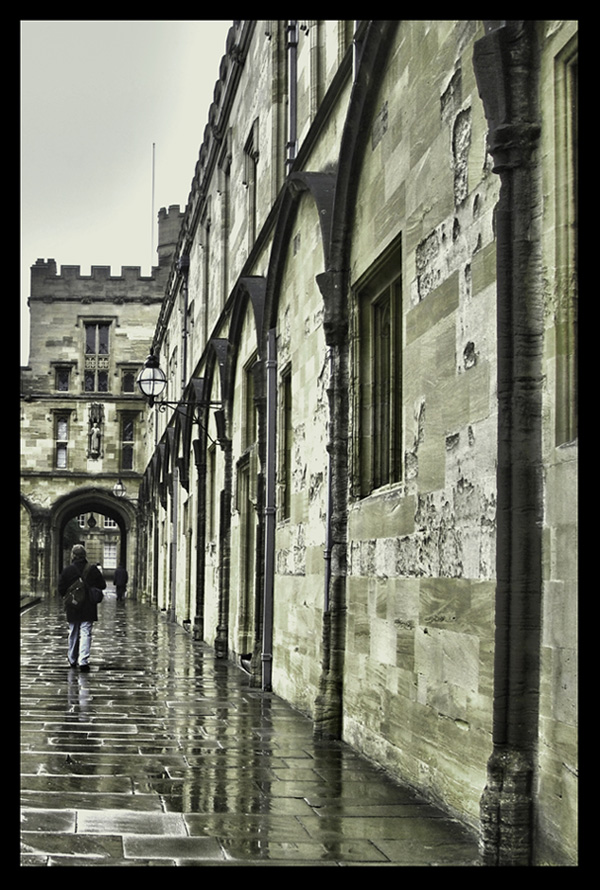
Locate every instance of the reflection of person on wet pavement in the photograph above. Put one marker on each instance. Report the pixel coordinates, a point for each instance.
(79, 695)
(120, 581)
(80, 618)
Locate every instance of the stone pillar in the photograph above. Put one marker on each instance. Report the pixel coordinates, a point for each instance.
(199, 446)
(329, 704)
(221, 639)
(505, 69)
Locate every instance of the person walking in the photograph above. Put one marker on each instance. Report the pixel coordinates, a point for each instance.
(120, 581)
(81, 618)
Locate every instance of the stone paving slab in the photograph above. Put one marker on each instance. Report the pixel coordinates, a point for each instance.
(163, 755)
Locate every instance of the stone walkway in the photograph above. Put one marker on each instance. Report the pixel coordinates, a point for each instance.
(163, 755)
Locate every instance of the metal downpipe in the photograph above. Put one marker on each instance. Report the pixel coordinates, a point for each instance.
(270, 512)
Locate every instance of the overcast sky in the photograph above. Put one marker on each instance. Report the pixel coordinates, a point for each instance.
(95, 97)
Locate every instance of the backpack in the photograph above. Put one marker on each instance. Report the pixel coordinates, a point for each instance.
(75, 595)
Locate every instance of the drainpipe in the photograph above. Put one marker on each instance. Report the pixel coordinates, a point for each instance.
(504, 71)
(184, 267)
(267, 642)
(199, 446)
(155, 555)
(222, 637)
(328, 532)
(174, 515)
(292, 49)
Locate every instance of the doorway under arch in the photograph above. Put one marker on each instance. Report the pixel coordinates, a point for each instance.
(95, 502)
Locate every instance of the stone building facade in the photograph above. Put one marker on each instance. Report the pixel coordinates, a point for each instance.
(82, 416)
(361, 482)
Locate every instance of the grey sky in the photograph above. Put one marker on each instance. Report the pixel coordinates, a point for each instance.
(95, 96)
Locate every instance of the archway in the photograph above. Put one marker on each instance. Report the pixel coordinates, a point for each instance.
(94, 502)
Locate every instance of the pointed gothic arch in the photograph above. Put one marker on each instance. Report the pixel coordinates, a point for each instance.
(321, 187)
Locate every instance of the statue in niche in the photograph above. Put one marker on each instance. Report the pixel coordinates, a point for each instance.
(95, 441)
(96, 417)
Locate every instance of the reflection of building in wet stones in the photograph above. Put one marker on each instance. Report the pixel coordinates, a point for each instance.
(367, 311)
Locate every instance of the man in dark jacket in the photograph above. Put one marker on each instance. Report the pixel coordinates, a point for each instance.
(120, 580)
(81, 618)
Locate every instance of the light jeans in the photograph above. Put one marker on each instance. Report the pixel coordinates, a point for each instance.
(80, 641)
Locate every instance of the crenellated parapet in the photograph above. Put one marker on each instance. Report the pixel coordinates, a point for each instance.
(49, 284)
(169, 228)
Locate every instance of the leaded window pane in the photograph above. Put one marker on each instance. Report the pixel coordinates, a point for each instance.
(90, 339)
(127, 457)
(103, 339)
(61, 457)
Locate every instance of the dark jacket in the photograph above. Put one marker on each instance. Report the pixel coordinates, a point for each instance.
(88, 611)
(121, 577)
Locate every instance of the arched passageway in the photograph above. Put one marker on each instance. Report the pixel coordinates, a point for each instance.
(119, 512)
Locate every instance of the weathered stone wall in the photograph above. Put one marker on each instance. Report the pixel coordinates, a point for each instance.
(60, 305)
(62, 301)
(395, 651)
(246, 502)
(557, 803)
(219, 250)
(300, 538)
(419, 672)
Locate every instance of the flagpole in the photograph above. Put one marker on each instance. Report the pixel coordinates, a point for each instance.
(152, 226)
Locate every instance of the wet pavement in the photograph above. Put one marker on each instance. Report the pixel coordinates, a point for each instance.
(164, 755)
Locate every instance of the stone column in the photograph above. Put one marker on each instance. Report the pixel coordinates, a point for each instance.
(329, 704)
(505, 71)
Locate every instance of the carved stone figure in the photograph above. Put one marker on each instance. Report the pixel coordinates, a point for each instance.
(95, 441)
